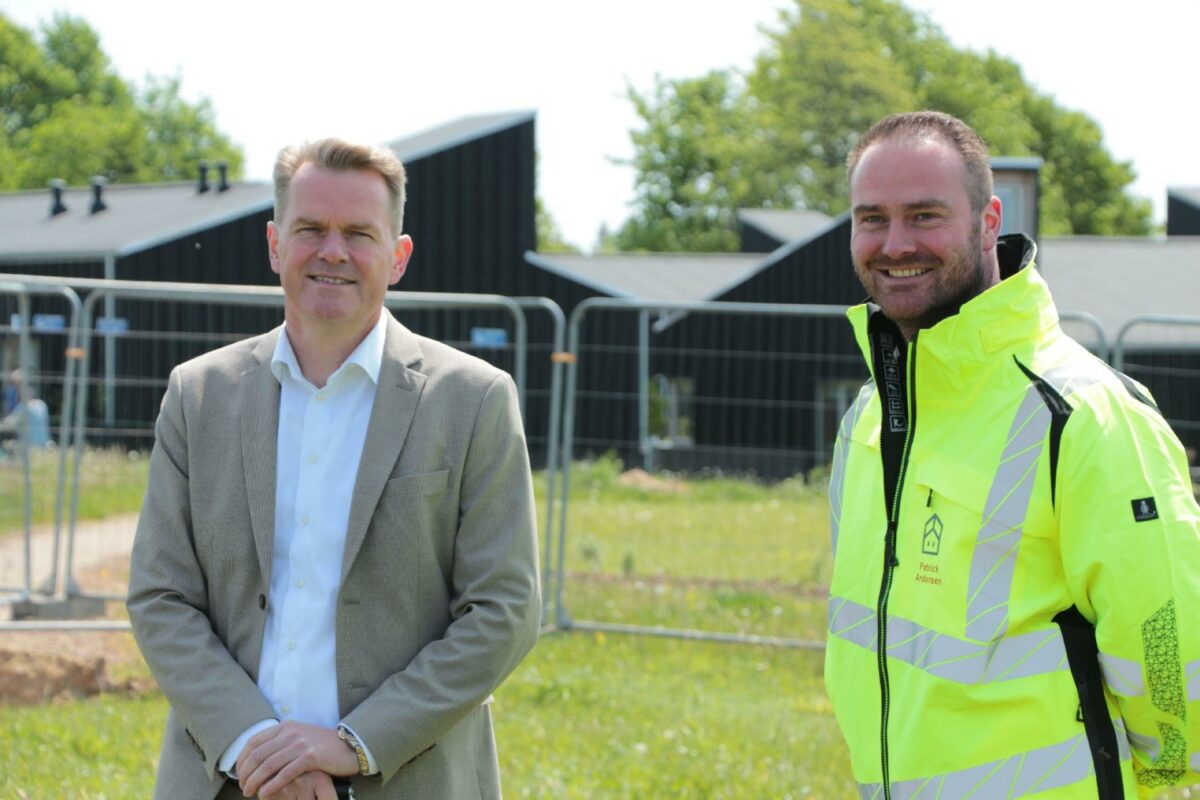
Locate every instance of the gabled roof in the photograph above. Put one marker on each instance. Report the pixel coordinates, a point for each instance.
(1118, 278)
(1187, 194)
(138, 216)
(784, 225)
(651, 276)
(141, 216)
(452, 134)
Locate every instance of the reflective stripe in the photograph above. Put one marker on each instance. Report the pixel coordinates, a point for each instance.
(1124, 677)
(1039, 770)
(1196, 761)
(995, 556)
(958, 660)
(853, 622)
(1144, 743)
(1193, 681)
(837, 473)
(1075, 375)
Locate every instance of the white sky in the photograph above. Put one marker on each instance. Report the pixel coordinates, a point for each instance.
(376, 71)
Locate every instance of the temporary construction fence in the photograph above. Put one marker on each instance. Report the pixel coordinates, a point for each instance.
(666, 392)
(135, 359)
(1162, 352)
(641, 386)
(24, 411)
(708, 389)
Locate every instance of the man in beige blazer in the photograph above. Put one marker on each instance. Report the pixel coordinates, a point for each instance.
(436, 598)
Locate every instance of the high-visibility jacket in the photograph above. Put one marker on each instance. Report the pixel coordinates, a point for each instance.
(1015, 602)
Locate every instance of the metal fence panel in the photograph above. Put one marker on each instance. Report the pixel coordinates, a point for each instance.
(132, 334)
(37, 363)
(1163, 354)
(698, 388)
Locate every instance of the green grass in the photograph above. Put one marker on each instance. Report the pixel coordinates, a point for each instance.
(101, 749)
(603, 716)
(112, 482)
(591, 715)
(720, 555)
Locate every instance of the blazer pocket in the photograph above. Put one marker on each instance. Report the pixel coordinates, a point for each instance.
(419, 484)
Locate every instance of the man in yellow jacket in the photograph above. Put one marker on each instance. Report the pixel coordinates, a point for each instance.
(1015, 603)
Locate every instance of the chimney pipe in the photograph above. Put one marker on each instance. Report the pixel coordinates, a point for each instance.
(98, 204)
(202, 187)
(223, 173)
(57, 206)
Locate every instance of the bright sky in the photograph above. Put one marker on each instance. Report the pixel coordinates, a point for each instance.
(377, 71)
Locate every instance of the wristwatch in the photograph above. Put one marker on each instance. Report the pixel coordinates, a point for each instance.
(347, 736)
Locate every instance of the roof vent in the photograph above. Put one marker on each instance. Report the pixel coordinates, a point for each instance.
(98, 205)
(202, 185)
(223, 176)
(57, 206)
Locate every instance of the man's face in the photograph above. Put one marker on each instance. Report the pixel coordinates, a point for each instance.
(917, 246)
(335, 252)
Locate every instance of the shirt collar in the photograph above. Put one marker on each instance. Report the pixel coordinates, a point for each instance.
(368, 356)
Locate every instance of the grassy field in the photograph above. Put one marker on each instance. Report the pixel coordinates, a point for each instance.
(112, 482)
(592, 715)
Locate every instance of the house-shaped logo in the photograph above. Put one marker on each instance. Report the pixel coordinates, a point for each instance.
(931, 542)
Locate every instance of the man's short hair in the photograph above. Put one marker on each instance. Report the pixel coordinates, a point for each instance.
(930, 124)
(340, 155)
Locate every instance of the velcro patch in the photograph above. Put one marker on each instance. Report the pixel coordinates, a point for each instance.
(1144, 509)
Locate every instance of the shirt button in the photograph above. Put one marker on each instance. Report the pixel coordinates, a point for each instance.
(285, 710)
(320, 397)
(291, 645)
(312, 458)
(300, 583)
(304, 519)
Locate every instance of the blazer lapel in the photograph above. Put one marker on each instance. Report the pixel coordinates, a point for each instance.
(396, 399)
(258, 403)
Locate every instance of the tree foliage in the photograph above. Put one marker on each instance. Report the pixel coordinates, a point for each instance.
(66, 113)
(778, 136)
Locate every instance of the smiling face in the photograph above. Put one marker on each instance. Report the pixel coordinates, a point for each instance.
(335, 254)
(918, 247)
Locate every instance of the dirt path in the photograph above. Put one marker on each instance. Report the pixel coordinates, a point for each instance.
(40, 666)
(97, 543)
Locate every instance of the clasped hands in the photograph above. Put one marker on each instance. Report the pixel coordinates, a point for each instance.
(294, 761)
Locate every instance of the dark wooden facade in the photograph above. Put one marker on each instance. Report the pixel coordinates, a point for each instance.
(470, 212)
(1183, 213)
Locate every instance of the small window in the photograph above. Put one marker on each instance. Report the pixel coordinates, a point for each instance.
(672, 402)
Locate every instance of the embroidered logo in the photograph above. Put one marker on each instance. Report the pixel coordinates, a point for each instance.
(1144, 509)
(931, 542)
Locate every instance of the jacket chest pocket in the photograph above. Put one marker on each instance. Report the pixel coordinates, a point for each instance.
(938, 544)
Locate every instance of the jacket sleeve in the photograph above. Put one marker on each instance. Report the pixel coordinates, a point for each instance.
(495, 607)
(168, 602)
(1130, 533)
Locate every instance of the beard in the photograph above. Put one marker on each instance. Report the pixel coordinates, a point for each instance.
(962, 274)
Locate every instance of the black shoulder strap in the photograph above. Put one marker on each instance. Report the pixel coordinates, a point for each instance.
(1083, 655)
(1060, 410)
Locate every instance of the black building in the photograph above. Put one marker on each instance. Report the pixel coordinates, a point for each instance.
(1183, 211)
(470, 212)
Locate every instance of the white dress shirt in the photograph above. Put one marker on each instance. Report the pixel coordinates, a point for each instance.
(319, 446)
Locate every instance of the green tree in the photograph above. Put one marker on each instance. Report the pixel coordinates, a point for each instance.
(779, 136)
(689, 163)
(66, 113)
(550, 237)
(180, 134)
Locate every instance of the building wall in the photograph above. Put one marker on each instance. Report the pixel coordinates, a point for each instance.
(1183, 218)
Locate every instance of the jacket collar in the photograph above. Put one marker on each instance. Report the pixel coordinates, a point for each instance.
(1018, 308)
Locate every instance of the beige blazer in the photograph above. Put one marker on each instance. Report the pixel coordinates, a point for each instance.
(439, 597)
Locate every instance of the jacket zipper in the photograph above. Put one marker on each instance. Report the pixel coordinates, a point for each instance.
(890, 562)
